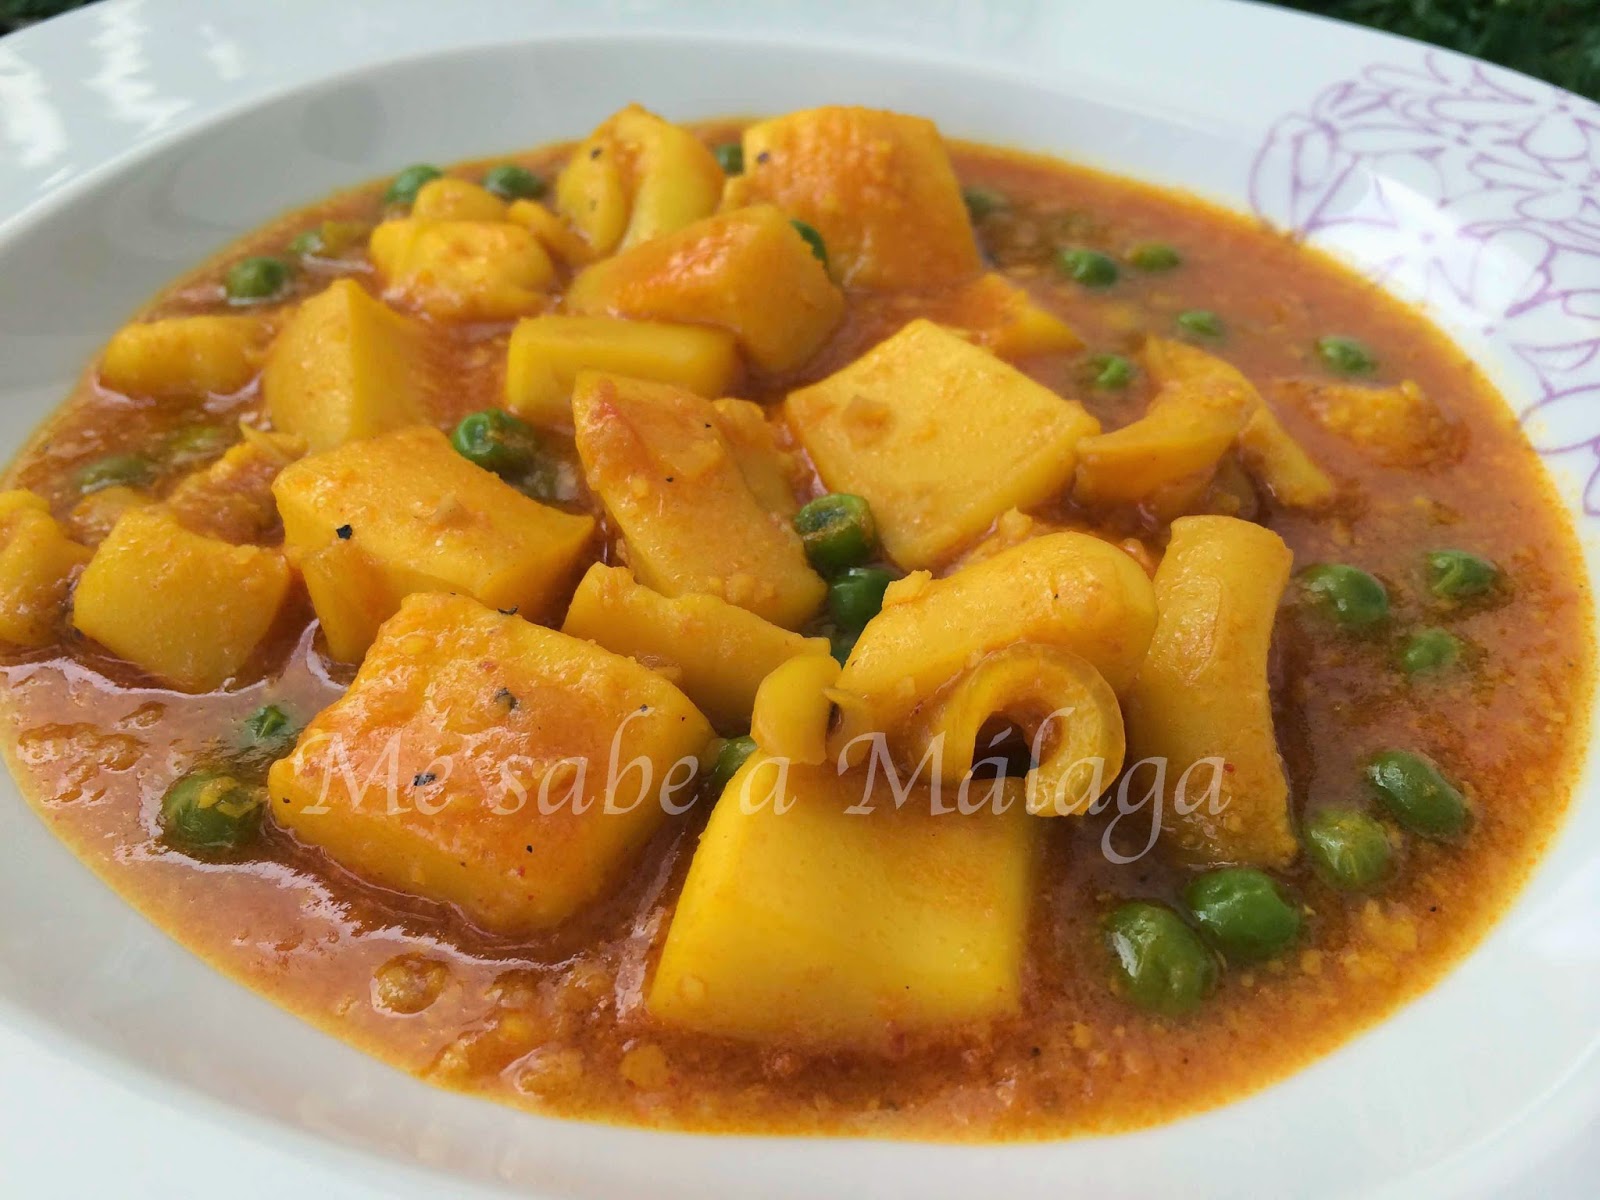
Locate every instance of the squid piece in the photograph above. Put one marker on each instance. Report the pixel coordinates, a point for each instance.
(1069, 590)
(793, 707)
(1054, 698)
(1268, 450)
(635, 178)
(1166, 458)
(1201, 705)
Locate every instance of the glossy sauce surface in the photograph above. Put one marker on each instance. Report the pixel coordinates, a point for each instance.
(557, 1023)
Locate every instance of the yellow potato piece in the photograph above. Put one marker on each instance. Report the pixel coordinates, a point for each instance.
(766, 466)
(183, 607)
(1165, 459)
(347, 366)
(1070, 590)
(457, 200)
(669, 481)
(1395, 424)
(471, 763)
(878, 186)
(792, 708)
(547, 352)
(374, 521)
(1054, 700)
(1202, 693)
(635, 178)
(940, 437)
(463, 270)
(745, 271)
(831, 930)
(37, 563)
(716, 652)
(186, 356)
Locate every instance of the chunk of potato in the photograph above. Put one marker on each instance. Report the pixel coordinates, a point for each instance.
(817, 927)
(1202, 693)
(486, 762)
(655, 457)
(1395, 424)
(878, 187)
(716, 652)
(186, 356)
(1003, 318)
(547, 352)
(635, 178)
(745, 271)
(450, 199)
(417, 517)
(1269, 451)
(1063, 589)
(183, 607)
(767, 467)
(463, 270)
(940, 437)
(231, 498)
(1165, 460)
(347, 366)
(37, 563)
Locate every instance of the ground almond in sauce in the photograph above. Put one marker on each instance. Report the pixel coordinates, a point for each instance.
(556, 1023)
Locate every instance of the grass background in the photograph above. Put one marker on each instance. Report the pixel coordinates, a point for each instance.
(1558, 40)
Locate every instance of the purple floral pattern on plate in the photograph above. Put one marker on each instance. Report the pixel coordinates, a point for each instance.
(1476, 192)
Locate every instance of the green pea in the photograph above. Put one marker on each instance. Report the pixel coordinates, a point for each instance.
(730, 157)
(268, 725)
(511, 182)
(841, 642)
(1243, 912)
(254, 279)
(1161, 963)
(982, 202)
(1457, 575)
(496, 441)
(403, 188)
(1345, 356)
(1354, 599)
(1087, 267)
(1429, 650)
(306, 242)
(731, 755)
(1348, 848)
(814, 240)
(207, 812)
(855, 597)
(1417, 795)
(1201, 322)
(1154, 256)
(194, 442)
(838, 532)
(1111, 371)
(116, 470)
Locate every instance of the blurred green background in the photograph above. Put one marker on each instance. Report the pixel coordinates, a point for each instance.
(1558, 40)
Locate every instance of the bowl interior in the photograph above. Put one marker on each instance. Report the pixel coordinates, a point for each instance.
(76, 964)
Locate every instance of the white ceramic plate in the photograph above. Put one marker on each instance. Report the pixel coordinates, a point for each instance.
(137, 137)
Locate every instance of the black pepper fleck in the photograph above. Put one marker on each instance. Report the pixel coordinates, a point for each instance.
(343, 533)
(763, 157)
(504, 696)
(424, 779)
(596, 152)
(508, 612)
